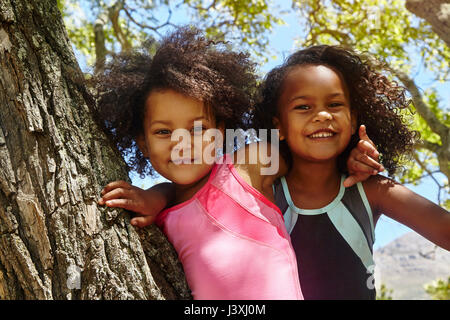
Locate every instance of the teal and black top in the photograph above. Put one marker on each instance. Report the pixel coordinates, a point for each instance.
(333, 244)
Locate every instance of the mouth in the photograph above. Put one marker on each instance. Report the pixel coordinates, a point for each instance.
(183, 161)
(322, 134)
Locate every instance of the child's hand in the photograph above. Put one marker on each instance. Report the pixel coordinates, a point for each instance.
(121, 194)
(363, 160)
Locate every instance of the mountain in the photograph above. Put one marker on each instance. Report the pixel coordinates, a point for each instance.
(406, 264)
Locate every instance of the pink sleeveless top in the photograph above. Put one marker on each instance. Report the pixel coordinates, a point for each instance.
(232, 241)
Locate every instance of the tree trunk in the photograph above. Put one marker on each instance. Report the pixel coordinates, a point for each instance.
(55, 241)
(436, 12)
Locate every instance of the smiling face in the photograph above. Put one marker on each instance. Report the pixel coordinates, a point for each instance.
(167, 111)
(314, 113)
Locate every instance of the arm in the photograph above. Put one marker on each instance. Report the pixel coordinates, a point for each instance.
(146, 203)
(403, 205)
(361, 163)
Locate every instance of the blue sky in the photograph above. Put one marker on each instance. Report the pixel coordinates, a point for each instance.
(282, 43)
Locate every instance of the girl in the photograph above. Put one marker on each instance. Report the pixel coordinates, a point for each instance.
(317, 99)
(191, 84)
(242, 252)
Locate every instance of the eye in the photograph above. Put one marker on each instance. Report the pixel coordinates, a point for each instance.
(336, 104)
(198, 129)
(162, 132)
(302, 107)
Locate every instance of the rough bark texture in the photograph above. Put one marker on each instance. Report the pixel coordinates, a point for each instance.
(436, 12)
(55, 241)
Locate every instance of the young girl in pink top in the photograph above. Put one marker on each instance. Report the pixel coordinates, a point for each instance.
(230, 237)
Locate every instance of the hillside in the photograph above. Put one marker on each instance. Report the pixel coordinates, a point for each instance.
(409, 262)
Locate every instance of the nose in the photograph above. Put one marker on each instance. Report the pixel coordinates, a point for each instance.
(181, 141)
(182, 145)
(322, 115)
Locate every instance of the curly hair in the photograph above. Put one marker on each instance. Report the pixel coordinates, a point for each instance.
(184, 61)
(377, 100)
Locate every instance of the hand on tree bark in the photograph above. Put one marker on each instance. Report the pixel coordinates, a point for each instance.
(146, 203)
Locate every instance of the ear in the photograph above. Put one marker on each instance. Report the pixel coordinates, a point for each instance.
(140, 140)
(276, 123)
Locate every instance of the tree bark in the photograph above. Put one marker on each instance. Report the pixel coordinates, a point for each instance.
(436, 12)
(55, 241)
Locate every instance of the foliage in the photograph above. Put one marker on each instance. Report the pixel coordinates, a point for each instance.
(129, 22)
(382, 27)
(439, 289)
(384, 293)
(387, 30)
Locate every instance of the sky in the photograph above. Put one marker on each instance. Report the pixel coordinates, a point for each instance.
(282, 42)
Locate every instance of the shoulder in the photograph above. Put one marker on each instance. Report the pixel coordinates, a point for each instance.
(377, 189)
(259, 165)
(247, 164)
(377, 183)
(388, 195)
(260, 159)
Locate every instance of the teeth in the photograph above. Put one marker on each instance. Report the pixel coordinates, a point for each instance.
(321, 135)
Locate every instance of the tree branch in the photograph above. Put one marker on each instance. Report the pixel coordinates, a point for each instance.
(424, 144)
(422, 108)
(441, 152)
(144, 26)
(424, 167)
(100, 47)
(113, 14)
(436, 13)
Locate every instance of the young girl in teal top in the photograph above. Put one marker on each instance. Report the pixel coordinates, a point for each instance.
(318, 99)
